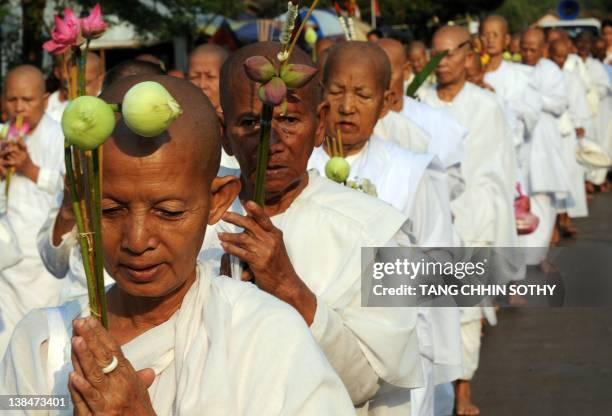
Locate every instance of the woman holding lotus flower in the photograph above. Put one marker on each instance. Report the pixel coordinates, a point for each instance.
(180, 339)
(37, 160)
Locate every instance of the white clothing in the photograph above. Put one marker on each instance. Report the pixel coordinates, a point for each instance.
(577, 116)
(55, 107)
(323, 231)
(64, 261)
(27, 285)
(229, 349)
(415, 184)
(483, 213)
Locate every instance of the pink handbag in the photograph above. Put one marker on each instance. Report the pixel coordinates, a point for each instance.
(526, 222)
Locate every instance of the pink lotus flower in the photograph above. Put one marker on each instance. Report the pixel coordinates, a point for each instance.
(66, 34)
(93, 26)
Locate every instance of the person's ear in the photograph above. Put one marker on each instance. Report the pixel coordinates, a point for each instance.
(224, 140)
(406, 71)
(322, 115)
(45, 99)
(388, 99)
(507, 40)
(223, 191)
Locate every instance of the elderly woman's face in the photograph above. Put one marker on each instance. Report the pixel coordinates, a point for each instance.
(155, 211)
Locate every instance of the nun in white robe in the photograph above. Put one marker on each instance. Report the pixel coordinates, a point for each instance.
(547, 177)
(576, 116)
(512, 84)
(230, 349)
(602, 120)
(483, 214)
(483, 211)
(404, 180)
(27, 284)
(373, 350)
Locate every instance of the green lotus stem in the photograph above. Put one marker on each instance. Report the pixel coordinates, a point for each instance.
(7, 184)
(94, 181)
(420, 78)
(300, 29)
(263, 151)
(81, 59)
(83, 240)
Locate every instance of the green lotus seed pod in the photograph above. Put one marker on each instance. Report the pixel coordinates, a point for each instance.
(337, 169)
(87, 122)
(148, 109)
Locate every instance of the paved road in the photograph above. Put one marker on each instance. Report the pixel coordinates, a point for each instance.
(551, 361)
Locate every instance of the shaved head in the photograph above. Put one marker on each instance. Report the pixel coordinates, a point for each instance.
(210, 49)
(294, 132)
(159, 194)
(205, 63)
(416, 47)
(233, 73)
(536, 34)
(452, 68)
(394, 49)
(494, 38)
(496, 20)
(192, 140)
(400, 70)
(25, 95)
(416, 52)
(453, 34)
(359, 53)
(533, 44)
(30, 73)
(558, 52)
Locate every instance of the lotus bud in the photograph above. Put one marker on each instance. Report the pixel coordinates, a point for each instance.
(310, 36)
(507, 56)
(296, 76)
(148, 109)
(337, 169)
(87, 122)
(259, 69)
(517, 57)
(273, 92)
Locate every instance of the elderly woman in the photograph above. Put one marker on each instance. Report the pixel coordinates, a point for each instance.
(181, 340)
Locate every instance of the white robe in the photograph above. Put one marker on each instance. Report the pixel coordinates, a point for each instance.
(483, 212)
(548, 182)
(424, 129)
(27, 284)
(324, 230)
(229, 350)
(55, 107)
(64, 261)
(602, 120)
(576, 116)
(415, 184)
(513, 85)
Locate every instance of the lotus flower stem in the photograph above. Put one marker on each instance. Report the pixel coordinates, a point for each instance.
(340, 148)
(83, 236)
(301, 28)
(263, 151)
(94, 180)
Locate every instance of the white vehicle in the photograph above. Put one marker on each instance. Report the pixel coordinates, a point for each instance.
(575, 26)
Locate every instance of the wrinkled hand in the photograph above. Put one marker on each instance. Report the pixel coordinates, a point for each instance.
(120, 392)
(18, 156)
(262, 247)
